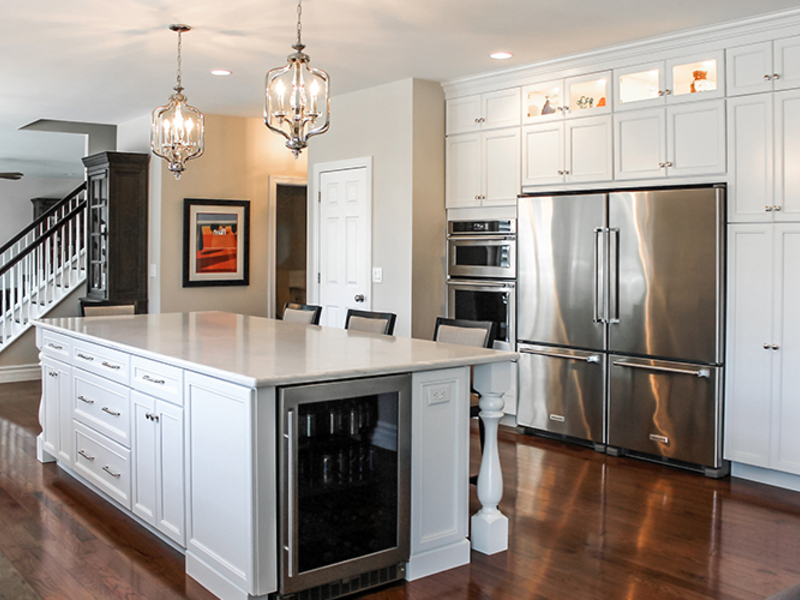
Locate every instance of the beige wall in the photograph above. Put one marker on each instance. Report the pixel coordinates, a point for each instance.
(240, 156)
(401, 126)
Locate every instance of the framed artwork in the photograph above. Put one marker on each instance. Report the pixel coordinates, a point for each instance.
(216, 242)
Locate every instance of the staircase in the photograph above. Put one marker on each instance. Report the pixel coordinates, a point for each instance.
(42, 265)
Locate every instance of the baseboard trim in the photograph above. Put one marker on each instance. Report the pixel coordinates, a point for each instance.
(787, 481)
(14, 373)
(438, 560)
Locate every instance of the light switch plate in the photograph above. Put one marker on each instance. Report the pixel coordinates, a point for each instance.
(377, 274)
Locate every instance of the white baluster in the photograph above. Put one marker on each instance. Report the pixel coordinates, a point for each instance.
(489, 525)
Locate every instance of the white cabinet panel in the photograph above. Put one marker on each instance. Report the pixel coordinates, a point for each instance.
(696, 139)
(463, 114)
(143, 435)
(748, 417)
(639, 86)
(543, 153)
(750, 156)
(501, 166)
(787, 156)
(169, 462)
(588, 149)
(749, 69)
(501, 109)
(786, 55)
(639, 144)
(57, 407)
(786, 411)
(463, 170)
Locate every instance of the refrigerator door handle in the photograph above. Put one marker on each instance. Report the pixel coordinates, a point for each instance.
(593, 358)
(613, 271)
(632, 365)
(596, 318)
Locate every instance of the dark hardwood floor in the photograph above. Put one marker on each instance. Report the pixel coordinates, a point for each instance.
(583, 526)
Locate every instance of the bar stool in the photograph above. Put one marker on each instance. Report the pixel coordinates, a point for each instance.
(302, 313)
(374, 322)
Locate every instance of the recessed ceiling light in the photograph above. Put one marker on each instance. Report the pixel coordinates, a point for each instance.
(501, 55)
(220, 72)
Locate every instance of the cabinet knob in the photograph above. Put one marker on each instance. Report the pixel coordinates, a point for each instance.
(660, 93)
(767, 346)
(767, 77)
(359, 297)
(768, 208)
(775, 346)
(477, 120)
(669, 163)
(776, 76)
(776, 208)
(566, 172)
(662, 165)
(667, 92)
(560, 172)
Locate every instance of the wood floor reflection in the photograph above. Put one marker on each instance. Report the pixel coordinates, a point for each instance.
(583, 526)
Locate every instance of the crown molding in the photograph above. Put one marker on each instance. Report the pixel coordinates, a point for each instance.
(714, 37)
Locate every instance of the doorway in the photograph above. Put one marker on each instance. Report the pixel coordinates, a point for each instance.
(291, 221)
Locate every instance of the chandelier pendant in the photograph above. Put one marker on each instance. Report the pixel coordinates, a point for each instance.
(296, 98)
(177, 130)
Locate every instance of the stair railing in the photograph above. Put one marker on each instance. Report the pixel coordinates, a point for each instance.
(42, 264)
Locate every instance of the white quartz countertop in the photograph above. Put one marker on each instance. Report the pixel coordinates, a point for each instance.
(256, 352)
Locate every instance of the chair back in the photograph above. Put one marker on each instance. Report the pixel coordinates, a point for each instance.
(462, 331)
(302, 313)
(108, 311)
(374, 322)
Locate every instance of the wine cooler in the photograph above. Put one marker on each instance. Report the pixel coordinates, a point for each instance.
(344, 482)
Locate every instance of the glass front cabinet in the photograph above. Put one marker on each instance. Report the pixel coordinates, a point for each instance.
(657, 83)
(584, 96)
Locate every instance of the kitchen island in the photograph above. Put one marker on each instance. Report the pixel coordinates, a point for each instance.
(174, 419)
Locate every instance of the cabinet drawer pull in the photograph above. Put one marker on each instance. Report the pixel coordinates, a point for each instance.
(85, 399)
(55, 346)
(110, 472)
(84, 357)
(152, 380)
(84, 455)
(110, 412)
(152, 417)
(110, 366)
(558, 418)
(659, 438)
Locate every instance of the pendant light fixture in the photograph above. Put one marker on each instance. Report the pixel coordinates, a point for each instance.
(177, 129)
(297, 102)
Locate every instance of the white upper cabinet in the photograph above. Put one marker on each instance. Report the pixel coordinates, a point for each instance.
(582, 96)
(483, 169)
(683, 79)
(763, 149)
(681, 140)
(578, 150)
(483, 111)
(764, 67)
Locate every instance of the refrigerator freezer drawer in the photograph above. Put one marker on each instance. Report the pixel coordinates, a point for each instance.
(666, 409)
(561, 391)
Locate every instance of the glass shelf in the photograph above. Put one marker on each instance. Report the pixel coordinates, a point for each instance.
(695, 78)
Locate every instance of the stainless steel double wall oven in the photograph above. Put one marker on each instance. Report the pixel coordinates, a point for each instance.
(481, 275)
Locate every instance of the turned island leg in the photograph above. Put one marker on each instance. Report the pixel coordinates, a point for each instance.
(489, 525)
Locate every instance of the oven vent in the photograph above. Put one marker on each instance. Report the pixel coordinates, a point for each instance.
(337, 589)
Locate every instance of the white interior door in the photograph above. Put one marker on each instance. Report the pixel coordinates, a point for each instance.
(345, 259)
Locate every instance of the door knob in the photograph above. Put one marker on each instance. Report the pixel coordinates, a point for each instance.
(359, 297)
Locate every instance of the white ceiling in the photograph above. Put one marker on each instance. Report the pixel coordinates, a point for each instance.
(112, 61)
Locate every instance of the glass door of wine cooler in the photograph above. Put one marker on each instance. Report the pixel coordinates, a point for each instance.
(344, 456)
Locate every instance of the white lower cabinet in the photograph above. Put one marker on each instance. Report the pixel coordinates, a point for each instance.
(158, 465)
(676, 141)
(56, 409)
(762, 409)
(573, 151)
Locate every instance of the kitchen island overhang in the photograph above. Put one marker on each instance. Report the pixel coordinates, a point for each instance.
(212, 378)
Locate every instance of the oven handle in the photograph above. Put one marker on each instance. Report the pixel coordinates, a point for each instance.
(481, 238)
(508, 285)
(290, 464)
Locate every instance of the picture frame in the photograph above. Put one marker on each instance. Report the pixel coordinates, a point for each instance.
(216, 242)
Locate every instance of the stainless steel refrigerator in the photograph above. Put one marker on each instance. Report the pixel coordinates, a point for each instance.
(620, 320)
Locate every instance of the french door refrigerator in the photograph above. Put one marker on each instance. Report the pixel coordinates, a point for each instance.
(620, 320)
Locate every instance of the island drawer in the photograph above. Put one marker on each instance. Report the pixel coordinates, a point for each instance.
(106, 362)
(102, 405)
(157, 379)
(103, 463)
(56, 345)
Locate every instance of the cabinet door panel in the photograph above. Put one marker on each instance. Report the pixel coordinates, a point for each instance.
(748, 417)
(786, 401)
(589, 149)
(696, 138)
(748, 69)
(170, 453)
(501, 109)
(750, 157)
(463, 170)
(698, 78)
(462, 114)
(501, 158)
(639, 146)
(144, 458)
(640, 86)
(787, 156)
(787, 63)
(543, 154)
(543, 102)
